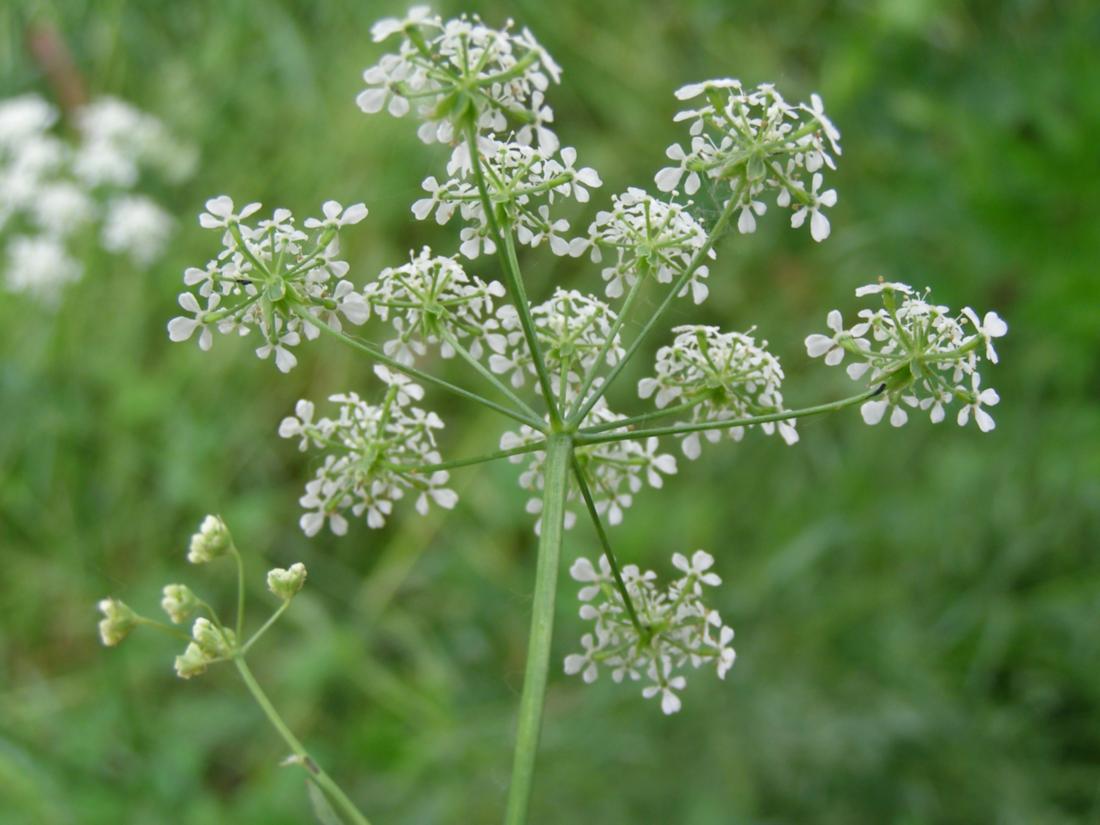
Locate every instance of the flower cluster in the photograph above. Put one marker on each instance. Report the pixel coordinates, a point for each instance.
(924, 355)
(753, 141)
(647, 235)
(56, 193)
(718, 376)
(616, 470)
(375, 455)
(463, 72)
(572, 330)
(522, 183)
(431, 300)
(211, 641)
(670, 629)
(273, 277)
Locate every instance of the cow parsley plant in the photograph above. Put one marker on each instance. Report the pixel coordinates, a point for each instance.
(543, 356)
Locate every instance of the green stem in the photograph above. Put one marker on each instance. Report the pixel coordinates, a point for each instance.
(506, 250)
(620, 585)
(500, 386)
(271, 620)
(466, 462)
(420, 375)
(695, 262)
(323, 780)
(594, 370)
(240, 587)
(634, 420)
(584, 437)
(555, 489)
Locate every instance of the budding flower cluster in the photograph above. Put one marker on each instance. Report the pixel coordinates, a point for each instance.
(272, 277)
(210, 643)
(55, 192)
(211, 541)
(463, 72)
(718, 376)
(750, 142)
(926, 357)
(671, 628)
(286, 583)
(375, 455)
(117, 622)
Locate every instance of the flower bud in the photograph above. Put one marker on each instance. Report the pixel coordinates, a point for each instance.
(179, 602)
(214, 643)
(191, 662)
(286, 583)
(118, 620)
(212, 540)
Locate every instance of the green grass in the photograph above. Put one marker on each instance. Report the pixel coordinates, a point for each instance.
(917, 610)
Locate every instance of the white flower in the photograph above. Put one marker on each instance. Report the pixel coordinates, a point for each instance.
(138, 227)
(675, 630)
(720, 376)
(375, 454)
(922, 356)
(337, 216)
(41, 267)
(819, 224)
(219, 213)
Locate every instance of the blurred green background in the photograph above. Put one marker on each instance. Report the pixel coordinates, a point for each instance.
(918, 611)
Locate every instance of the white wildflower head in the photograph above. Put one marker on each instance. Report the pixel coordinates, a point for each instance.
(461, 73)
(925, 356)
(675, 630)
(571, 328)
(56, 190)
(718, 376)
(433, 301)
(747, 143)
(286, 583)
(118, 620)
(375, 455)
(523, 183)
(643, 236)
(271, 277)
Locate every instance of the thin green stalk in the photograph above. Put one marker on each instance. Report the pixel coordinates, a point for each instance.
(594, 370)
(466, 462)
(317, 774)
(620, 585)
(555, 488)
(695, 262)
(420, 375)
(584, 437)
(481, 370)
(634, 420)
(506, 250)
(271, 620)
(240, 587)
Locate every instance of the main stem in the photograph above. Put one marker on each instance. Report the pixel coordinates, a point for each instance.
(555, 486)
(324, 781)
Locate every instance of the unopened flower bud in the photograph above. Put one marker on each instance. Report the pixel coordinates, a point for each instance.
(118, 620)
(191, 662)
(179, 602)
(214, 643)
(286, 583)
(212, 540)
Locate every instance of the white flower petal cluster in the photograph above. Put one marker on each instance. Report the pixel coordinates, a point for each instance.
(374, 456)
(462, 71)
(677, 629)
(433, 301)
(750, 142)
(646, 235)
(616, 470)
(210, 643)
(723, 375)
(926, 357)
(265, 275)
(523, 183)
(57, 194)
(571, 327)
